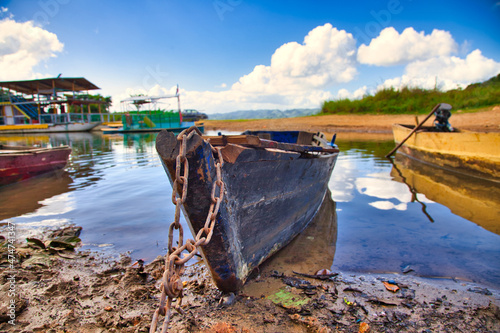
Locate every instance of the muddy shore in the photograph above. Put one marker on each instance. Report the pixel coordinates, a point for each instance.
(89, 292)
(50, 286)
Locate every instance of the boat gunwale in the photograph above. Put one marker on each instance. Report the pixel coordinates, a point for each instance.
(471, 162)
(23, 150)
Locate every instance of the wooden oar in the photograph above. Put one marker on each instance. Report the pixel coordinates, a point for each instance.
(416, 128)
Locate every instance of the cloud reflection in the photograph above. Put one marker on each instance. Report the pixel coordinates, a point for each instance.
(341, 183)
(56, 205)
(387, 205)
(348, 180)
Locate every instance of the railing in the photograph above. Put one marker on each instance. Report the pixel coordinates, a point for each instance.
(4, 98)
(62, 118)
(14, 120)
(142, 121)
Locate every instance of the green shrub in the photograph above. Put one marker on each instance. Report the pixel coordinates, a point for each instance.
(412, 100)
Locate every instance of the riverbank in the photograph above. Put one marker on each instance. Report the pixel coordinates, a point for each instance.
(52, 289)
(482, 121)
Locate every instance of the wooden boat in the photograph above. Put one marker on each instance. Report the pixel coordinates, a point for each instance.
(474, 153)
(275, 183)
(18, 163)
(313, 249)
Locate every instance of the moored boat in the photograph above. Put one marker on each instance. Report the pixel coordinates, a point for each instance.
(274, 184)
(473, 153)
(19, 163)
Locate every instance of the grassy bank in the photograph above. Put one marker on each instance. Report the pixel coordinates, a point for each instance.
(416, 100)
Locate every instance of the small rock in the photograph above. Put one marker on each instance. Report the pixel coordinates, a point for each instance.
(228, 299)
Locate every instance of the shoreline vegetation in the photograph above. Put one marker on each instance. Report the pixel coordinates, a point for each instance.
(474, 108)
(412, 100)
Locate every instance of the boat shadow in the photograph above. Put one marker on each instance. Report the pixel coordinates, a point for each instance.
(310, 251)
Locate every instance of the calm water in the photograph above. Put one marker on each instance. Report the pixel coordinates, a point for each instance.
(387, 217)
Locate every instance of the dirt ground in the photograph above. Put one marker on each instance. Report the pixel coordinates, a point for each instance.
(48, 286)
(485, 120)
(88, 292)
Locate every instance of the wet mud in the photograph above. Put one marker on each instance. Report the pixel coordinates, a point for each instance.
(65, 290)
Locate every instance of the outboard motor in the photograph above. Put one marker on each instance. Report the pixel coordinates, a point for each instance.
(442, 115)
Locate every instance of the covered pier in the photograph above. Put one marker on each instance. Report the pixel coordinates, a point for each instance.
(50, 100)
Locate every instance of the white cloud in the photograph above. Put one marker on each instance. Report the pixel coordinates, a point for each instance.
(383, 189)
(295, 78)
(431, 60)
(446, 72)
(326, 57)
(387, 205)
(22, 47)
(474, 67)
(391, 48)
(357, 94)
(300, 75)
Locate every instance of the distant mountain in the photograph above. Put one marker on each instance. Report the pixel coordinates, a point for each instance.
(263, 114)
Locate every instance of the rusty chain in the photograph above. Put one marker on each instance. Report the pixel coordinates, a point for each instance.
(171, 286)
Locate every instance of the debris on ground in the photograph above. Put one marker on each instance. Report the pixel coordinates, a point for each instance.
(83, 291)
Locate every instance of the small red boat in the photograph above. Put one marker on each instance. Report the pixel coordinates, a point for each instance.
(18, 163)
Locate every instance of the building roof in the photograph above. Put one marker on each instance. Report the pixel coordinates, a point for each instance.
(50, 85)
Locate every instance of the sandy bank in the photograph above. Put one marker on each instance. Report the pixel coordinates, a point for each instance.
(487, 120)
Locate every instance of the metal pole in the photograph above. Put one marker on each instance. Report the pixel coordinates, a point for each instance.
(414, 130)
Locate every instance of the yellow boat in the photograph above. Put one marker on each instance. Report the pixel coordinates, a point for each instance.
(473, 153)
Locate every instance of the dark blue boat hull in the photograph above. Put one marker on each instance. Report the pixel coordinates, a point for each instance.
(270, 196)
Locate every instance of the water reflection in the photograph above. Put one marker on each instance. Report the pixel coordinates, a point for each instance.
(382, 228)
(113, 187)
(474, 199)
(21, 198)
(314, 248)
(116, 189)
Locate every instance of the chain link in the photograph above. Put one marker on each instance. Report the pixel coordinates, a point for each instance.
(171, 286)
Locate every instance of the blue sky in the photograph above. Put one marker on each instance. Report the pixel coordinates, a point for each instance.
(231, 55)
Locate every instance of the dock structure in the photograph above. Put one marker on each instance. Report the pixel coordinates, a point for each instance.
(152, 119)
(49, 105)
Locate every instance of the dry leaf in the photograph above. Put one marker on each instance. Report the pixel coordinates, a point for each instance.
(390, 287)
(364, 328)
